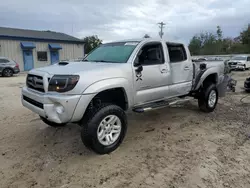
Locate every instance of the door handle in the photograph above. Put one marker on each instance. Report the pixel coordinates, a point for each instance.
(164, 70)
(186, 68)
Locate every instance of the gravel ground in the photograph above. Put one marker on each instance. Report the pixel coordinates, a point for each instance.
(172, 147)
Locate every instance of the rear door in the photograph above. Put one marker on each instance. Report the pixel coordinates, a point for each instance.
(181, 69)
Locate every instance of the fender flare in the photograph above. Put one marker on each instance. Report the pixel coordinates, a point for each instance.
(206, 73)
(111, 83)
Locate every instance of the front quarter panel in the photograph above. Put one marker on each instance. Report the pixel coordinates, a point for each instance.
(111, 83)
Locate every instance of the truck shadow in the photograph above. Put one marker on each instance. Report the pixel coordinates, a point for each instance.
(66, 141)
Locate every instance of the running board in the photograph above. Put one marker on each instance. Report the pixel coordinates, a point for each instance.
(159, 104)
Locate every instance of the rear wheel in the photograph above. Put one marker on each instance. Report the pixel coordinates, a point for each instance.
(208, 98)
(7, 72)
(52, 124)
(105, 129)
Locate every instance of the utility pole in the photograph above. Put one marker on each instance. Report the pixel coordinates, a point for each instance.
(161, 26)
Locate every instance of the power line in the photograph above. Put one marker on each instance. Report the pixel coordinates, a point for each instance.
(161, 26)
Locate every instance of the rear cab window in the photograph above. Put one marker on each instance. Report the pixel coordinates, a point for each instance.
(177, 52)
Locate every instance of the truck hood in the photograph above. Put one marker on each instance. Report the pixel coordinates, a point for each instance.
(69, 68)
(89, 72)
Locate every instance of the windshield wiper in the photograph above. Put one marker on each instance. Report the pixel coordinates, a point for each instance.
(103, 61)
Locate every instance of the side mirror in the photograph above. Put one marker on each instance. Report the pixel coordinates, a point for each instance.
(138, 65)
(203, 66)
(136, 62)
(139, 68)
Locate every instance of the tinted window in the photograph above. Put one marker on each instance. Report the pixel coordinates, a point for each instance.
(239, 58)
(151, 54)
(4, 61)
(202, 59)
(118, 52)
(248, 58)
(177, 53)
(42, 56)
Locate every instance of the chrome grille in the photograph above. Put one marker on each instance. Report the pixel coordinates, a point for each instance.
(35, 82)
(232, 63)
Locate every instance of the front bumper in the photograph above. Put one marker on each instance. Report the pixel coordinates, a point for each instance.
(57, 108)
(240, 67)
(237, 67)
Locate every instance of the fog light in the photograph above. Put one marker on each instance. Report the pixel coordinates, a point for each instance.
(59, 109)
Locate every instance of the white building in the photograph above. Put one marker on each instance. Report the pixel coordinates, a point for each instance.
(33, 49)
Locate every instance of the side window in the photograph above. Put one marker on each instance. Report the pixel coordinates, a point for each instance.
(4, 61)
(248, 58)
(151, 54)
(177, 53)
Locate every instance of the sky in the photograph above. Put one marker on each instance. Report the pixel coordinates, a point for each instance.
(125, 19)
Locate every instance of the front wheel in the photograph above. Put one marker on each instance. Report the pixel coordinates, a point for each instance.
(244, 68)
(105, 129)
(208, 98)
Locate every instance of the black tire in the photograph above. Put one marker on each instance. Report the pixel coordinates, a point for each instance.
(52, 124)
(244, 68)
(7, 72)
(89, 130)
(204, 98)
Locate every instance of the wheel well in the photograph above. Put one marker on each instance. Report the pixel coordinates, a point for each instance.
(212, 78)
(115, 96)
(8, 68)
(5, 69)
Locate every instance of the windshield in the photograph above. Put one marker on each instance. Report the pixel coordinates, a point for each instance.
(211, 59)
(239, 58)
(118, 52)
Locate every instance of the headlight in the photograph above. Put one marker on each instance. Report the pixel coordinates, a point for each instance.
(241, 64)
(63, 83)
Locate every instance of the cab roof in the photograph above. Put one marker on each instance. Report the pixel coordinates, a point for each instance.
(146, 39)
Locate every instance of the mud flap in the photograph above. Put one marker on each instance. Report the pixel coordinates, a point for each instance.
(222, 87)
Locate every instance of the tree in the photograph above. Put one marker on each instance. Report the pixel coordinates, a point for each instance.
(146, 36)
(226, 45)
(245, 37)
(207, 43)
(203, 44)
(219, 40)
(195, 45)
(91, 42)
(239, 48)
(219, 33)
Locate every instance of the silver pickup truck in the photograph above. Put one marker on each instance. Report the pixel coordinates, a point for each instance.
(138, 75)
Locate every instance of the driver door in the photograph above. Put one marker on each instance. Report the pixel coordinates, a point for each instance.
(151, 74)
